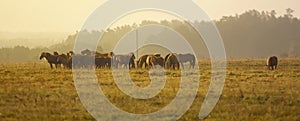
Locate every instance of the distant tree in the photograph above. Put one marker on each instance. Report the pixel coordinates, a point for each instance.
(289, 13)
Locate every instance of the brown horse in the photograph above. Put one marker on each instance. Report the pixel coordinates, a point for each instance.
(142, 61)
(153, 60)
(65, 60)
(171, 62)
(272, 63)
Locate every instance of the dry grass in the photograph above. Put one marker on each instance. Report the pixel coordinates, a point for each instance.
(31, 91)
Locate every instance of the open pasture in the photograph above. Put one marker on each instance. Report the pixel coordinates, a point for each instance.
(32, 91)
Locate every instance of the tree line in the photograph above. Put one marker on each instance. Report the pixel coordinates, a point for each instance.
(248, 35)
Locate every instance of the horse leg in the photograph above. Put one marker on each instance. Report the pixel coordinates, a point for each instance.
(116, 65)
(133, 65)
(193, 64)
(140, 64)
(146, 65)
(51, 65)
(149, 66)
(272, 67)
(182, 65)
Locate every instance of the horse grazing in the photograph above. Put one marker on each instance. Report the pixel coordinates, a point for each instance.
(142, 61)
(52, 59)
(272, 63)
(153, 61)
(126, 60)
(182, 58)
(171, 61)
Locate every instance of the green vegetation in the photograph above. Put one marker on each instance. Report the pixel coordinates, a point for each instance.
(32, 91)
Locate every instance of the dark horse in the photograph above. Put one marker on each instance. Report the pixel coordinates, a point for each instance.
(272, 63)
(65, 60)
(52, 59)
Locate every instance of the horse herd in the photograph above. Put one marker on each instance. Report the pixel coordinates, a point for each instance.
(90, 59)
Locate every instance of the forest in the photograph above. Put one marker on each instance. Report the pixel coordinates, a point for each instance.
(252, 34)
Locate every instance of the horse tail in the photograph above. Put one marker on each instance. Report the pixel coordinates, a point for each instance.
(193, 62)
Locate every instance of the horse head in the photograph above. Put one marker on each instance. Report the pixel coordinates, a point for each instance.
(44, 55)
(55, 53)
(86, 52)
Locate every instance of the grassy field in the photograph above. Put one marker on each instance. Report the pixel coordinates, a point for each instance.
(32, 91)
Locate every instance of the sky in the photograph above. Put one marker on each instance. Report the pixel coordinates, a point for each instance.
(70, 15)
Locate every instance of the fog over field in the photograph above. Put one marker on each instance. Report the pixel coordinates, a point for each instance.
(31, 39)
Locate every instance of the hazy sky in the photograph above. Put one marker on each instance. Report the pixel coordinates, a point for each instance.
(69, 15)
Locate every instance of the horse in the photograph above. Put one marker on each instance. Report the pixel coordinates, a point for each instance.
(142, 61)
(153, 60)
(52, 59)
(65, 60)
(102, 62)
(126, 60)
(82, 61)
(171, 61)
(272, 63)
(97, 54)
(182, 58)
(70, 54)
